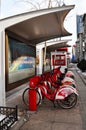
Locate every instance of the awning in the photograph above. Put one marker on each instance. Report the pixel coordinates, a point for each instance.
(57, 45)
(41, 28)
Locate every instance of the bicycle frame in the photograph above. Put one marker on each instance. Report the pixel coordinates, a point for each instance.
(55, 82)
(70, 74)
(58, 94)
(44, 93)
(64, 92)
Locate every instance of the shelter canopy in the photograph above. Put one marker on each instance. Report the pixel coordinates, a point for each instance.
(57, 45)
(41, 28)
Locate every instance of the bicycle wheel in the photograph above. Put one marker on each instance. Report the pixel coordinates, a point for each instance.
(68, 102)
(25, 97)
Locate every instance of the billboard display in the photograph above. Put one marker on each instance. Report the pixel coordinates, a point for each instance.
(21, 60)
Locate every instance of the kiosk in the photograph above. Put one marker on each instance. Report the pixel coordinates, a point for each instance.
(59, 59)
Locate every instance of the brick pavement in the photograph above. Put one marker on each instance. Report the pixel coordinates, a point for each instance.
(81, 83)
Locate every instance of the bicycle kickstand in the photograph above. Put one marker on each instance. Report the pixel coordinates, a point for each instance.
(54, 104)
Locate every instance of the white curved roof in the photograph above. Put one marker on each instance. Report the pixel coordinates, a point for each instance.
(38, 26)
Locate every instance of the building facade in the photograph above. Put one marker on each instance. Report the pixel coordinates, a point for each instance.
(84, 35)
(81, 37)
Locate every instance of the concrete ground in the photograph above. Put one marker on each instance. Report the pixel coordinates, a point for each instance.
(47, 117)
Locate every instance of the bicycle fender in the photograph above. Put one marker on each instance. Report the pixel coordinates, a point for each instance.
(63, 92)
(69, 73)
(68, 79)
(39, 90)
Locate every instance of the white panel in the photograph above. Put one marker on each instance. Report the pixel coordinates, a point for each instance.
(22, 17)
(2, 68)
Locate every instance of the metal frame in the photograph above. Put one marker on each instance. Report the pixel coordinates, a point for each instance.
(10, 119)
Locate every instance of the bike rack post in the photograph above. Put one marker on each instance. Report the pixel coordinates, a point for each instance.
(32, 93)
(32, 100)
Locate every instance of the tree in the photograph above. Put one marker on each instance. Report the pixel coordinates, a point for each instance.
(39, 4)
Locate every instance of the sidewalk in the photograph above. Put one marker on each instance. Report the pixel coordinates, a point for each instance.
(49, 118)
(81, 74)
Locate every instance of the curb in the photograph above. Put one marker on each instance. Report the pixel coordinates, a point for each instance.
(22, 120)
(18, 124)
(81, 76)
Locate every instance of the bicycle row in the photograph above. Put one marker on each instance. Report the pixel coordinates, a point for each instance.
(55, 86)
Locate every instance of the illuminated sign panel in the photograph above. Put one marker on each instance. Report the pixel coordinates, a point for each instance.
(58, 60)
(21, 61)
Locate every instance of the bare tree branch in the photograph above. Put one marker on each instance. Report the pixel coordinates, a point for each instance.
(28, 2)
(42, 3)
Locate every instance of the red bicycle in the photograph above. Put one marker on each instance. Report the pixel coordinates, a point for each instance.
(55, 78)
(64, 95)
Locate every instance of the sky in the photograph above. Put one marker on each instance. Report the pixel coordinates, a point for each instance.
(13, 7)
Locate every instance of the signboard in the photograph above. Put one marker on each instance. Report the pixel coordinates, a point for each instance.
(59, 60)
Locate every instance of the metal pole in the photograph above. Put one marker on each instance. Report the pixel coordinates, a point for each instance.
(81, 46)
(2, 68)
(45, 52)
(49, 4)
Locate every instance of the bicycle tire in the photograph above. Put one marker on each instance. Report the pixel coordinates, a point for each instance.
(66, 104)
(25, 97)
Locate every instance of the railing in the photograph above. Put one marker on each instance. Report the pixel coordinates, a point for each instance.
(10, 117)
